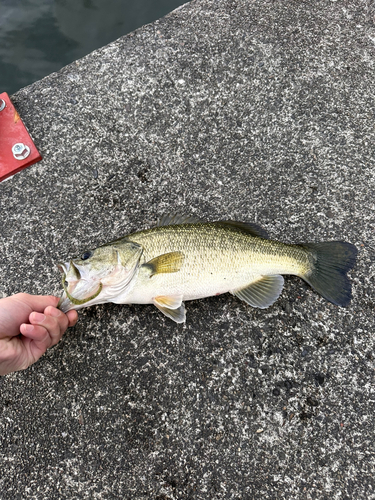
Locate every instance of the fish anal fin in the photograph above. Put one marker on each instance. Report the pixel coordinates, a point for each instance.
(172, 219)
(172, 307)
(166, 263)
(263, 292)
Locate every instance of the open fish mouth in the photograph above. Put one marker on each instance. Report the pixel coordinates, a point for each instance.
(70, 270)
(71, 279)
(79, 302)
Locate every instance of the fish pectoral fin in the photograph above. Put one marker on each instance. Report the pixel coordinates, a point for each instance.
(166, 263)
(261, 293)
(172, 307)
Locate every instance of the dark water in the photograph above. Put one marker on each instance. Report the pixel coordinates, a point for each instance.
(38, 37)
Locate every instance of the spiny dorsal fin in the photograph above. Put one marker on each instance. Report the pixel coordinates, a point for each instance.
(263, 292)
(247, 227)
(166, 263)
(172, 219)
(172, 307)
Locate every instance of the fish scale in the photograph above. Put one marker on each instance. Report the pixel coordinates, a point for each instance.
(217, 260)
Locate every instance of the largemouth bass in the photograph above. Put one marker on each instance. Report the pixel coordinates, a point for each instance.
(184, 258)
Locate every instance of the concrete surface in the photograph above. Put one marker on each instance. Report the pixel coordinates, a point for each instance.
(252, 110)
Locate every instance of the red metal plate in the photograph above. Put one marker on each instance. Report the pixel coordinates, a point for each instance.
(13, 134)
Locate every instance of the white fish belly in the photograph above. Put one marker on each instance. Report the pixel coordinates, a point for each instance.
(144, 293)
(190, 284)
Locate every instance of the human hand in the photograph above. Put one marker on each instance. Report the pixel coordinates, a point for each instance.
(29, 325)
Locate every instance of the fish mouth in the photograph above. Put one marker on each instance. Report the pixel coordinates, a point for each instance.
(69, 269)
(71, 279)
(80, 302)
(63, 267)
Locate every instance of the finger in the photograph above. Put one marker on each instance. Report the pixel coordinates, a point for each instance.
(72, 317)
(37, 302)
(65, 320)
(35, 340)
(55, 322)
(35, 332)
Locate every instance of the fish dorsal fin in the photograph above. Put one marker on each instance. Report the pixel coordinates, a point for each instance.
(263, 292)
(166, 263)
(247, 227)
(172, 219)
(172, 307)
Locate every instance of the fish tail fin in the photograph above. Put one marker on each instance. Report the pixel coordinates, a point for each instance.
(330, 263)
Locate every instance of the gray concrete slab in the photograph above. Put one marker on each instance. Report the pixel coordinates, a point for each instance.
(251, 110)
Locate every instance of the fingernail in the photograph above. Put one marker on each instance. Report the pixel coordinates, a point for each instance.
(55, 312)
(39, 317)
(27, 328)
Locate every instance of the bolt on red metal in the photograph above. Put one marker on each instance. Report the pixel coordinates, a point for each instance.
(17, 150)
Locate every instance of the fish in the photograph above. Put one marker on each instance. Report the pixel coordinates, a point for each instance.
(185, 258)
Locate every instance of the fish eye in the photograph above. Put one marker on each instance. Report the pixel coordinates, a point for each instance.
(86, 255)
(66, 284)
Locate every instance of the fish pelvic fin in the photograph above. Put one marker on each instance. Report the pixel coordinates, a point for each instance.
(172, 307)
(166, 263)
(261, 293)
(172, 301)
(330, 262)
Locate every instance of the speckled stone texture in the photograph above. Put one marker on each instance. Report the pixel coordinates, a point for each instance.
(250, 110)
